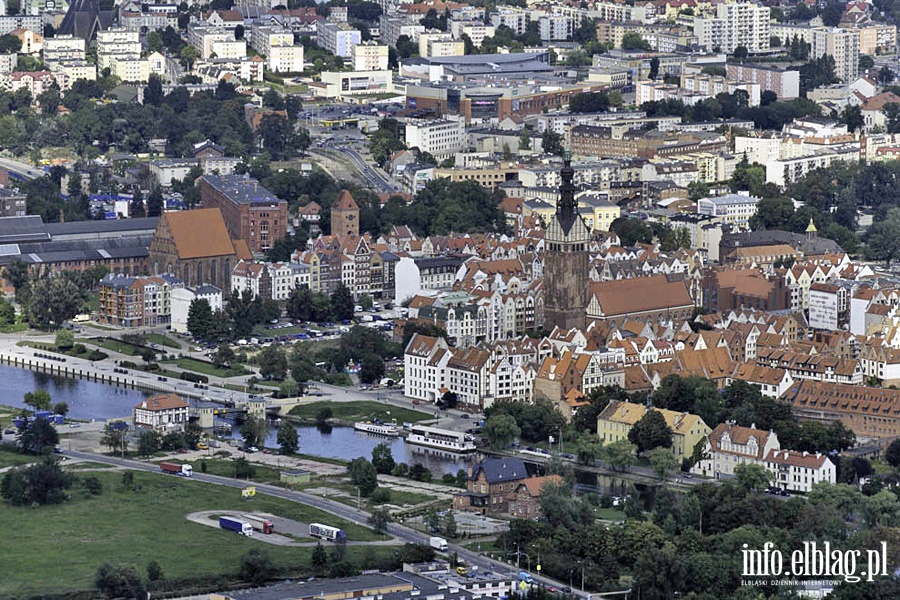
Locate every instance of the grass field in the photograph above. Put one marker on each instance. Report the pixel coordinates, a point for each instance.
(13, 458)
(66, 544)
(115, 346)
(189, 364)
(361, 411)
(162, 340)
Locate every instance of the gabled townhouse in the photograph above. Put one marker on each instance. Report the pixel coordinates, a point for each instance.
(772, 382)
(800, 471)
(468, 377)
(729, 445)
(617, 419)
(424, 367)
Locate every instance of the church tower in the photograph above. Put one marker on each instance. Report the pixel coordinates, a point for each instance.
(345, 216)
(566, 259)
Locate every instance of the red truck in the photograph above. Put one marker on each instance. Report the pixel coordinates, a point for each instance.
(176, 469)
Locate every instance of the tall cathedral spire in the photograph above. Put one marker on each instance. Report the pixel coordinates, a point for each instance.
(567, 208)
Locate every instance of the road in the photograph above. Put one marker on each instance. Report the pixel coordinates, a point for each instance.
(21, 168)
(349, 513)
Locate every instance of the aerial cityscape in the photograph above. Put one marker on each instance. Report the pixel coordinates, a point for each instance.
(489, 299)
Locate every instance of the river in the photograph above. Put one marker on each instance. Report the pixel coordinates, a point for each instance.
(89, 400)
(346, 443)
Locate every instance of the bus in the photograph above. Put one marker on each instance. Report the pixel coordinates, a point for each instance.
(326, 532)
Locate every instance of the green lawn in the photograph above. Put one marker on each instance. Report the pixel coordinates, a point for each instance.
(66, 544)
(162, 340)
(12, 459)
(361, 411)
(225, 468)
(115, 346)
(98, 326)
(609, 514)
(190, 364)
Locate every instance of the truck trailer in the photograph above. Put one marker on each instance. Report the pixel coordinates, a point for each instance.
(176, 469)
(259, 523)
(439, 544)
(236, 525)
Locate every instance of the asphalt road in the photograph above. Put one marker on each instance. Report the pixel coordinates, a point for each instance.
(349, 513)
(21, 168)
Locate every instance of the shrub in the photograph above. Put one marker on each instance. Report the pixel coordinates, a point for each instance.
(380, 496)
(97, 355)
(79, 348)
(193, 377)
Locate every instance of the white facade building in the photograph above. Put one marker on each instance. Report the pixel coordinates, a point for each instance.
(440, 138)
(799, 471)
(181, 299)
(337, 38)
(733, 208)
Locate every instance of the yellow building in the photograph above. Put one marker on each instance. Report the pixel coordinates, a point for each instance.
(617, 419)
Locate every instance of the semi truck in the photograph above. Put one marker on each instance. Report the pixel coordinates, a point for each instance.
(259, 523)
(326, 532)
(236, 525)
(439, 544)
(176, 469)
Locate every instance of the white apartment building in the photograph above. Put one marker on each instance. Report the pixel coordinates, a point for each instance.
(710, 33)
(68, 72)
(130, 68)
(394, 27)
(468, 376)
(369, 56)
(840, 44)
(746, 24)
(436, 44)
(64, 47)
(181, 298)
(440, 138)
(515, 18)
(227, 48)
(475, 30)
(424, 367)
(799, 471)
(735, 209)
(337, 38)
(277, 45)
(114, 43)
(712, 85)
(728, 446)
(827, 304)
(556, 28)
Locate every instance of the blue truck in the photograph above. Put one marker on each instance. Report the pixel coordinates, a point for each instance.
(236, 525)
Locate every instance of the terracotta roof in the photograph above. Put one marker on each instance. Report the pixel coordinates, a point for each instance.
(470, 359)
(793, 458)
(641, 294)
(739, 436)
(242, 250)
(878, 102)
(535, 484)
(754, 373)
(200, 233)
(345, 202)
(162, 402)
(421, 345)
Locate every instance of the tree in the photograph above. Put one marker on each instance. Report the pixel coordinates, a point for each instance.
(153, 93)
(741, 53)
(363, 475)
(273, 363)
(383, 459)
(371, 369)
(189, 56)
(620, 455)
(883, 239)
(61, 408)
(662, 461)
(752, 477)
(39, 437)
(155, 203)
(253, 431)
(154, 571)
(551, 142)
(634, 41)
(319, 557)
(92, 485)
(342, 303)
(38, 400)
(448, 526)
(10, 44)
(119, 582)
(650, 431)
(154, 42)
(200, 318)
(16, 273)
(243, 469)
(115, 438)
(525, 139)
(136, 209)
(866, 62)
(379, 520)
(53, 300)
(149, 442)
(654, 68)
(892, 454)
(852, 117)
(288, 439)
(501, 430)
(257, 567)
(224, 356)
